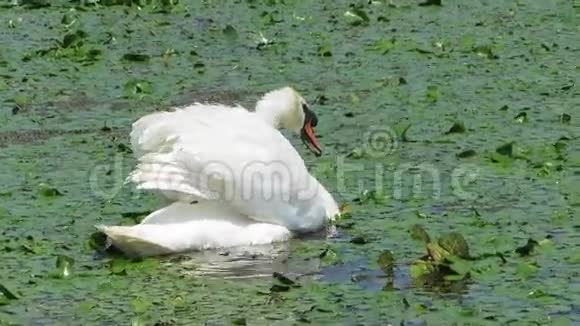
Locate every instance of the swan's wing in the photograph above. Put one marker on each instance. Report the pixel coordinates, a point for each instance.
(156, 132)
(218, 153)
(167, 145)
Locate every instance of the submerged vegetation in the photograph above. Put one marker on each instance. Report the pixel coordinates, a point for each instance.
(450, 131)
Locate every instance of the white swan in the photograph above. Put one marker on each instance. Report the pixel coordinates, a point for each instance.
(232, 178)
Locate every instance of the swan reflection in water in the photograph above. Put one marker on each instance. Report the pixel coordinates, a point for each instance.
(251, 262)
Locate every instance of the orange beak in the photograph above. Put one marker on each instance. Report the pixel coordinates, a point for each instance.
(309, 138)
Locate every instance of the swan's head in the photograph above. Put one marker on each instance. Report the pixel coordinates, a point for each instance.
(285, 108)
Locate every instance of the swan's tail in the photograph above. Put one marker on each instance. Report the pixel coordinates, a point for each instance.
(183, 227)
(134, 241)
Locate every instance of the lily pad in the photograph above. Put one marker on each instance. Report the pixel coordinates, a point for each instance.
(136, 57)
(455, 244)
(421, 268)
(47, 190)
(73, 39)
(528, 248)
(279, 288)
(325, 50)
(356, 16)
(230, 33)
(522, 117)
(33, 4)
(565, 118)
(526, 270)
(437, 253)
(359, 239)
(418, 233)
(283, 279)
(64, 265)
(466, 153)
(485, 51)
(430, 3)
(457, 128)
(68, 18)
(383, 46)
(118, 266)
(240, 321)
(6, 293)
(98, 241)
(386, 262)
(329, 256)
(432, 95)
(138, 87)
(506, 149)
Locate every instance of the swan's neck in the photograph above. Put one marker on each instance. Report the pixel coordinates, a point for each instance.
(270, 112)
(281, 109)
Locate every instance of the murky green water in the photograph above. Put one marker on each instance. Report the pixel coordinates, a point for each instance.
(75, 75)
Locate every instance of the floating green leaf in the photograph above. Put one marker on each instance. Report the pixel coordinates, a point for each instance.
(430, 3)
(386, 262)
(283, 279)
(98, 241)
(466, 153)
(437, 253)
(457, 128)
(485, 51)
(7, 293)
(279, 288)
(325, 50)
(329, 256)
(526, 270)
(46, 190)
(32, 4)
(383, 46)
(68, 18)
(230, 33)
(418, 233)
(459, 266)
(359, 239)
(136, 57)
(240, 321)
(528, 248)
(73, 39)
(455, 244)
(421, 268)
(565, 118)
(64, 265)
(522, 117)
(432, 93)
(271, 18)
(356, 16)
(141, 305)
(371, 195)
(137, 87)
(118, 266)
(506, 149)
(357, 153)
